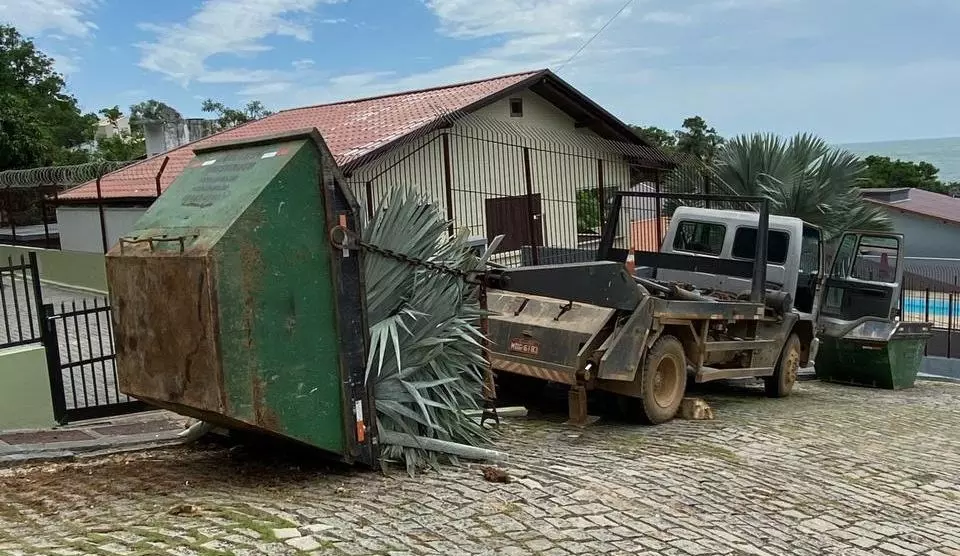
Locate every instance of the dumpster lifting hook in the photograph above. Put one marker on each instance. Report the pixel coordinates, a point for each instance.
(343, 238)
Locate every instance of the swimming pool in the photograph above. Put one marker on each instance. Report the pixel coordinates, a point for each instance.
(939, 306)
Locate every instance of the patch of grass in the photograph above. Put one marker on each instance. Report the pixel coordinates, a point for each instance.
(510, 508)
(255, 520)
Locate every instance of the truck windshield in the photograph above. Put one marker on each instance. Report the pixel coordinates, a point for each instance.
(745, 245)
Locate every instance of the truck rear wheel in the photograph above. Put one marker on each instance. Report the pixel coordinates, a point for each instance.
(664, 380)
(785, 376)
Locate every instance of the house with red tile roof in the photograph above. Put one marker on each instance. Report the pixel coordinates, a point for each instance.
(503, 155)
(930, 222)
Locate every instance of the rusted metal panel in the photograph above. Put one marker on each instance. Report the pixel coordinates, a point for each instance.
(713, 310)
(622, 358)
(558, 334)
(166, 345)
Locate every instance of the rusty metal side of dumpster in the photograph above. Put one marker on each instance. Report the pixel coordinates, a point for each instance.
(166, 345)
(278, 312)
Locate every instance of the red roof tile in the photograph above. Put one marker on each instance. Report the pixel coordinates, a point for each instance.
(351, 129)
(917, 201)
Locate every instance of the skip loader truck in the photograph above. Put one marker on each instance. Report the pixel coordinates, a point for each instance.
(729, 295)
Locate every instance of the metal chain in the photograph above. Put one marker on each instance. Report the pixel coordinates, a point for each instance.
(342, 238)
(414, 261)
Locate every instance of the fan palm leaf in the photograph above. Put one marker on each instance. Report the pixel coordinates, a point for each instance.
(426, 355)
(802, 177)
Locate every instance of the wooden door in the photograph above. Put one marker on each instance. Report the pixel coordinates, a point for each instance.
(511, 216)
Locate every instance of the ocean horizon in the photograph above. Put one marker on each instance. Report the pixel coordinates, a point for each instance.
(944, 153)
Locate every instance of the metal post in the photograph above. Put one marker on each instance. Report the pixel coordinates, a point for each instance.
(368, 188)
(51, 344)
(103, 223)
(163, 166)
(447, 178)
(759, 286)
(949, 323)
(13, 226)
(600, 198)
(37, 289)
(706, 186)
(43, 218)
(926, 315)
(528, 178)
(489, 382)
(659, 215)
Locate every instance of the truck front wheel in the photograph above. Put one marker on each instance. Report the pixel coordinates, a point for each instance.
(664, 380)
(785, 376)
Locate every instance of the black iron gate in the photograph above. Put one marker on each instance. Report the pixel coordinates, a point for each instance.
(81, 362)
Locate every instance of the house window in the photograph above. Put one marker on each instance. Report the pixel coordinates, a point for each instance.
(516, 108)
(700, 237)
(745, 245)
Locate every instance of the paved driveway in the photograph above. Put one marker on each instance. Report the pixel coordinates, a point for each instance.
(831, 470)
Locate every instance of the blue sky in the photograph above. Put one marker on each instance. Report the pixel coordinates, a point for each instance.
(849, 70)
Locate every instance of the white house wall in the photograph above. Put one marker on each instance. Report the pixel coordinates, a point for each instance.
(79, 227)
(488, 162)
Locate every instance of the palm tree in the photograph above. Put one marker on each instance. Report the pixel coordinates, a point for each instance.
(802, 176)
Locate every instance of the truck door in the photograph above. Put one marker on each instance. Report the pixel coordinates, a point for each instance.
(865, 277)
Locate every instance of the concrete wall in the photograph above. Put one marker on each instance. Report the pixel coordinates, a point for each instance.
(487, 163)
(80, 226)
(925, 236)
(25, 400)
(78, 270)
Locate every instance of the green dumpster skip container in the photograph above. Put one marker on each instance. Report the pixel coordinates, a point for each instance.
(872, 352)
(231, 305)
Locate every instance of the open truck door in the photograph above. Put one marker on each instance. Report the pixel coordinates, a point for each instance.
(862, 339)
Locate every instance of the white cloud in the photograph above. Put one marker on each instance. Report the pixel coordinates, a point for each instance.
(527, 35)
(64, 17)
(65, 63)
(303, 64)
(231, 27)
(239, 76)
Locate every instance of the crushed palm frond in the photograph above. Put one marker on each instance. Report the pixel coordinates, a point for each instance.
(426, 349)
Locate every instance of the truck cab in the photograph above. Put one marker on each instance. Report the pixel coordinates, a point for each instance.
(794, 252)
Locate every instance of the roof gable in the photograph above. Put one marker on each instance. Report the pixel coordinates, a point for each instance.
(357, 130)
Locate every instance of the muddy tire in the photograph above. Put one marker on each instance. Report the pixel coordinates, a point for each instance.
(785, 376)
(664, 381)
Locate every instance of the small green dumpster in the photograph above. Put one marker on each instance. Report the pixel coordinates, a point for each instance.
(872, 352)
(231, 305)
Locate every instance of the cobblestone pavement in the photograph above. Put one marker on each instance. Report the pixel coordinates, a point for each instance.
(830, 470)
(82, 337)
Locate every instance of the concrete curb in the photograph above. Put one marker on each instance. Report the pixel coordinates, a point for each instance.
(938, 378)
(33, 453)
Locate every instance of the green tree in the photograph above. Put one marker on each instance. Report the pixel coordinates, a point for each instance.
(883, 172)
(802, 176)
(588, 211)
(152, 110)
(112, 115)
(656, 136)
(121, 145)
(698, 139)
(231, 117)
(41, 123)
